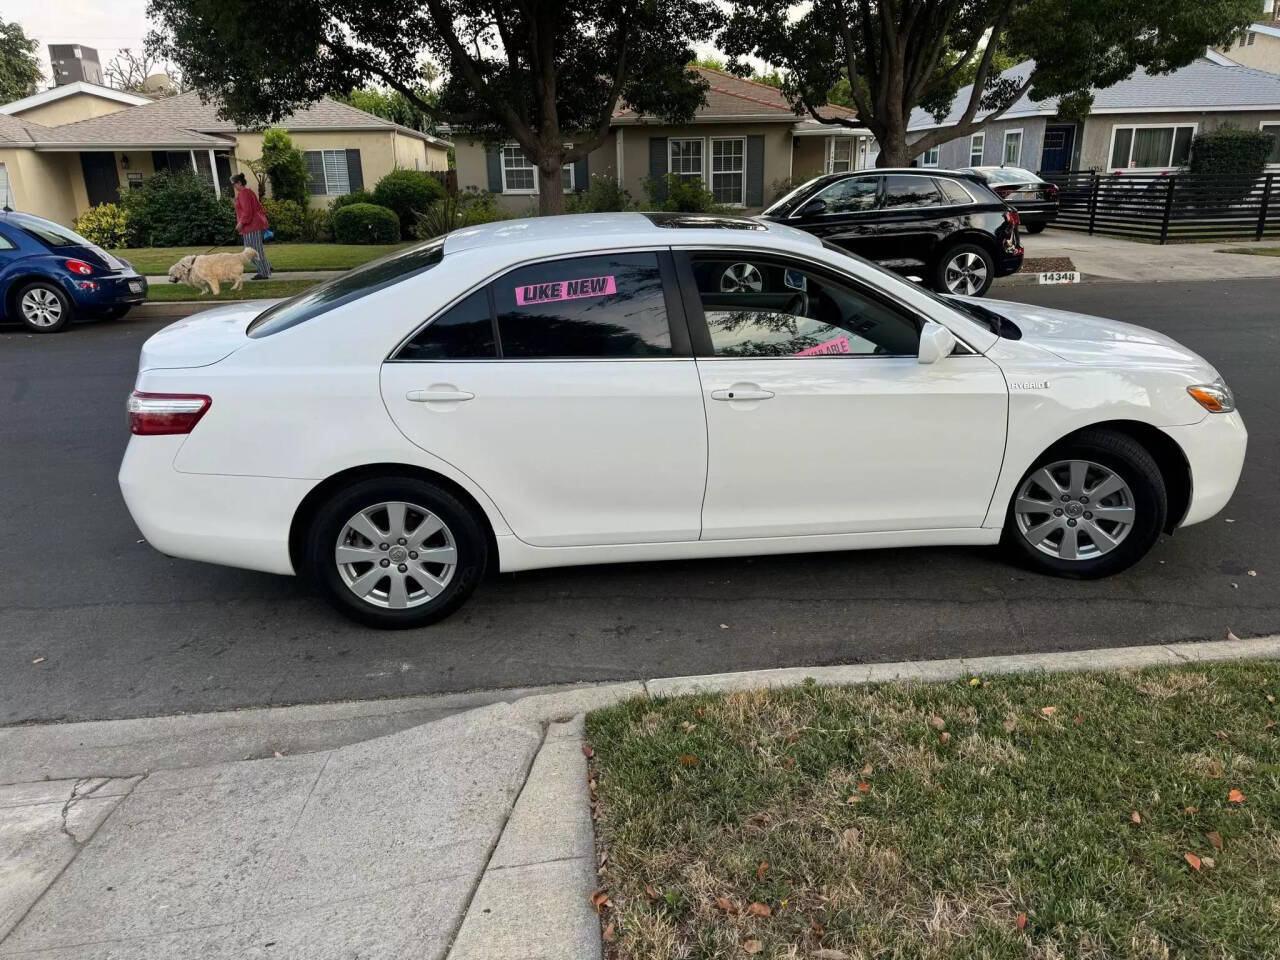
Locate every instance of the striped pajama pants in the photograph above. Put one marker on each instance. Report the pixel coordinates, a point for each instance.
(254, 240)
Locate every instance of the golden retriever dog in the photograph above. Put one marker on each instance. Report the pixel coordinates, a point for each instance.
(209, 270)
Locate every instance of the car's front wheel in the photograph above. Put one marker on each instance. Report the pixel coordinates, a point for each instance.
(966, 269)
(396, 552)
(1090, 507)
(43, 307)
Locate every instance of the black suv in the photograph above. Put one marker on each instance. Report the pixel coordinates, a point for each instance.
(948, 228)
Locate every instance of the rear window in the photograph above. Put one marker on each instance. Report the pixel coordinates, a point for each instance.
(353, 285)
(1010, 175)
(47, 232)
(953, 191)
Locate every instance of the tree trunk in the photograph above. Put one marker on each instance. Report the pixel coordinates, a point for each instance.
(893, 144)
(551, 192)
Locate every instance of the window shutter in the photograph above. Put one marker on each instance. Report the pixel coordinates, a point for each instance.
(755, 171)
(581, 179)
(159, 160)
(658, 167)
(493, 163)
(355, 174)
(315, 170)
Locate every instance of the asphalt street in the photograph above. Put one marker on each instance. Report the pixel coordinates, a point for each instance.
(95, 624)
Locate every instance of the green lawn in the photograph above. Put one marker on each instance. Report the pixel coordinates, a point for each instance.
(1075, 816)
(283, 256)
(252, 290)
(1253, 251)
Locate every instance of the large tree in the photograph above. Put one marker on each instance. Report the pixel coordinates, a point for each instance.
(544, 73)
(900, 54)
(20, 72)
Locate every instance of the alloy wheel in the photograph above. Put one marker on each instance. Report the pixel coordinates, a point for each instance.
(41, 307)
(396, 555)
(965, 273)
(741, 278)
(1074, 510)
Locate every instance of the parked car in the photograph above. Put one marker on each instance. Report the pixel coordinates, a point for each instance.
(1035, 200)
(49, 275)
(947, 228)
(618, 387)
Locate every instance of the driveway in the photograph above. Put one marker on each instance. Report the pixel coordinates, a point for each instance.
(122, 631)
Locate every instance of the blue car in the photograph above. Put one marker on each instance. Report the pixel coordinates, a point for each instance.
(49, 275)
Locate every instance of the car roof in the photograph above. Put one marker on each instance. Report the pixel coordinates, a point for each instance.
(586, 231)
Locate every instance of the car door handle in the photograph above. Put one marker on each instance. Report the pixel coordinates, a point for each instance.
(438, 395)
(744, 392)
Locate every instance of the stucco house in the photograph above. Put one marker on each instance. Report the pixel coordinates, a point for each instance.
(72, 147)
(1143, 124)
(1257, 46)
(745, 144)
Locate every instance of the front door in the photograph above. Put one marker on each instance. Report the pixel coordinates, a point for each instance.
(582, 419)
(820, 418)
(1059, 142)
(847, 216)
(101, 180)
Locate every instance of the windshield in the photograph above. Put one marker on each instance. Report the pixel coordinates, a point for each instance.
(350, 286)
(48, 232)
(784, 205)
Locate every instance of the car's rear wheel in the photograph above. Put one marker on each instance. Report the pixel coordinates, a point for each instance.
(396, 552)
(965, 269)
(1034, 227)
(1090, 507)
(43, 308)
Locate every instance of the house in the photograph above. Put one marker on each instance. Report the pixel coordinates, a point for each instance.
(1142, 124)
(1258, 46)
(745, 143)
(72, 147)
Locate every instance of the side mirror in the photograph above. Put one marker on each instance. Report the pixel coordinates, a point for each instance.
(812, 208)
(936, 342)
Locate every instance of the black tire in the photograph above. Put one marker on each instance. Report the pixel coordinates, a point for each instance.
(1034, 227)
(469, 540)
(115, 313)
(939, 280)
(1129, 460)
(66, 310)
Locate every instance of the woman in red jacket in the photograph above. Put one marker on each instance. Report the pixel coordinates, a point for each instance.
(251, 221)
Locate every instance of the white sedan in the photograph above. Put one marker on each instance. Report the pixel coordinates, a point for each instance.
(607, 388)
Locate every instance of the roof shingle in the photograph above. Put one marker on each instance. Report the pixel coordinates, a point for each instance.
(730, 96)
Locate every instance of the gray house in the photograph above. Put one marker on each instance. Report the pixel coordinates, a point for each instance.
(1143, 124)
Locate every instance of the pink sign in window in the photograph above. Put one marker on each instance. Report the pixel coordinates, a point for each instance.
(565, 290)
(838, 345)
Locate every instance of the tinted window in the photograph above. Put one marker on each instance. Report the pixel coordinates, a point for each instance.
(350, 286)
(605, 306)
(850, 196)
(769, 309)
(953, 191)
(907, 191)
(463, 332)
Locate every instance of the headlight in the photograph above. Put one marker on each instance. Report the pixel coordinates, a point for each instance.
(1215, 397)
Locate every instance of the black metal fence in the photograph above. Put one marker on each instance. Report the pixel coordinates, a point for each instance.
(1175, 208)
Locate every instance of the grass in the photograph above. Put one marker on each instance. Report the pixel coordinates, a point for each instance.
(1253, 251)
(915, 820)
(252, 290)
(283, 256)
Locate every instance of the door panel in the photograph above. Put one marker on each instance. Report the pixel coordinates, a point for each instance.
(1059, 143)
(913, 218)
(851, 220)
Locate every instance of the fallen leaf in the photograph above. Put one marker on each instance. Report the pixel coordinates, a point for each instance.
(1215, 838)
(1253, 573)
(851, 835)
(688, 727)
(1235, 796)
(1215, 769)
(38, 660)
(688, 760)
(937, 722)
(826, 953)
(727, 905)
(1077, 719)
(1010, 724)
(1231, 636)
(651, 892)
(1208, 862)
(1221, 735)
(866, 771)
(864, 787)
(1190, 811)
(1271, 697)
(607, 936)
(600, 899)
(1021, 922)
(1192, 860)
(752, 947)
(1048, 711)
(762, 870)
(974, 682)
(789, 763)
(758, 909)
(1136, 817)
(944, 737)
(818, 928)
(699, 713)
(604, 858)
(587, 751)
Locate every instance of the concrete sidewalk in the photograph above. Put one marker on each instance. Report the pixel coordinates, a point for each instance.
(466, 838)
(160, 278)
(1111, 258)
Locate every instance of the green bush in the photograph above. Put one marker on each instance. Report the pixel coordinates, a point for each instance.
(285, 218)
(355, 196)
(365, 223)
(604, 195)
(1230, 151)
(316, 225)
(407, 193)
(680, 196)
(107, 225)
(286, 168)
(452, 211)
(176, 209)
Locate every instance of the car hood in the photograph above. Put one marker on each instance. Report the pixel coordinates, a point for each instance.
(1080, 338)
(202, 338)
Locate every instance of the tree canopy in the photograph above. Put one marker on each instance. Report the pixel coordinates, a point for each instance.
(896, 55)
(20, 72)
(544, 73)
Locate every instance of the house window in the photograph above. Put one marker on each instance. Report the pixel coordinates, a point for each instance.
(1151, 147)
(6, 197)
(840, 159)
(329, 173)
(1273, 158)
(977, 144)
(728, 170)
(684, 159)
(1012, 155)
(930, 157)
(519, 175)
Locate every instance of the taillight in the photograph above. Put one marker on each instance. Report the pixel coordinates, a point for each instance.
(154, 414)
(80, 267)
(1011, 216)
(1052, 190)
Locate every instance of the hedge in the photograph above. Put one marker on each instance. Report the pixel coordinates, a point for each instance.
(365, 223)
(1230, 151)
(407, 193)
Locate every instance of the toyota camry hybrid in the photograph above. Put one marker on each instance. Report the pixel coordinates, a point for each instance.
(619, 387)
